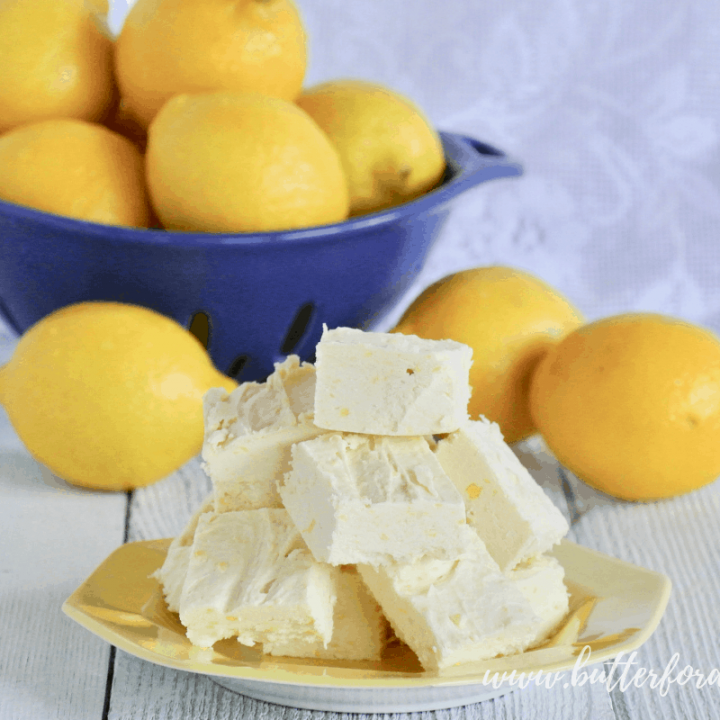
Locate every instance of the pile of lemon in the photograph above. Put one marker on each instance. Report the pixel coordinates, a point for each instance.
(195, 118)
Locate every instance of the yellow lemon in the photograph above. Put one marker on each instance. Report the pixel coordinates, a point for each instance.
(169, 47)
(56, 60)
(510, 319)
(242, 162)
(631, 404)
(390, 152)
(108, 395)
(75, 168)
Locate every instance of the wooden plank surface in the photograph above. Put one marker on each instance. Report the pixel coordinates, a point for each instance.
(679, 537)
(51, 537)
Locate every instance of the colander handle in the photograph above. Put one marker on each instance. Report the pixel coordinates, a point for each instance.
(482, 148)
(479, 161)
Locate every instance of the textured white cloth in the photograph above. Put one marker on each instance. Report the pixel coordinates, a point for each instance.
(612, 107)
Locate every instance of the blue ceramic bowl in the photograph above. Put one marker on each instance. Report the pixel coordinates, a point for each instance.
(251, 298)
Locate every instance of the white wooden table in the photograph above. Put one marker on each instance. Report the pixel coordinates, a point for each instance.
(52, 536)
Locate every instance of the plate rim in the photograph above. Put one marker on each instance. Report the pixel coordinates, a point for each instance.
(282, 676)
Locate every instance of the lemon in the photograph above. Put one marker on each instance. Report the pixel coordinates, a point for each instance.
(77, 169)
(56, 60)
(108, 395)
(631, 404)
(510, 319)
(172, 47)
(390, 152)
(242, 162)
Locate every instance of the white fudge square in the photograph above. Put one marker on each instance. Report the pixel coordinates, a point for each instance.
(541, 581)
(390, 384)
(367, 499)
(251, 576)
(509, 511)
(360, 630)
(174, 570)
(249, 432)
(454, 611)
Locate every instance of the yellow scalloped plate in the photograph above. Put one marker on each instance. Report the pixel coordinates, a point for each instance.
(614, 608)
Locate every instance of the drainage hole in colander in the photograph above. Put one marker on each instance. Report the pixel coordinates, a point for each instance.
(236, 366)
(200, 327)
(297, 329)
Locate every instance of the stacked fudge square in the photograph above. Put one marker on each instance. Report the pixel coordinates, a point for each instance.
(356, 493)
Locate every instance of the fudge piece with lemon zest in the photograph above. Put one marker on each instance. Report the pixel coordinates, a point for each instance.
(390, 384)
(370, 499)
(249, 432)
(510, 512)
(251, 576)
(454, 611)
(173, 571)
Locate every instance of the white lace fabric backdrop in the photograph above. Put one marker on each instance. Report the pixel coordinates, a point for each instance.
(613, 108)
